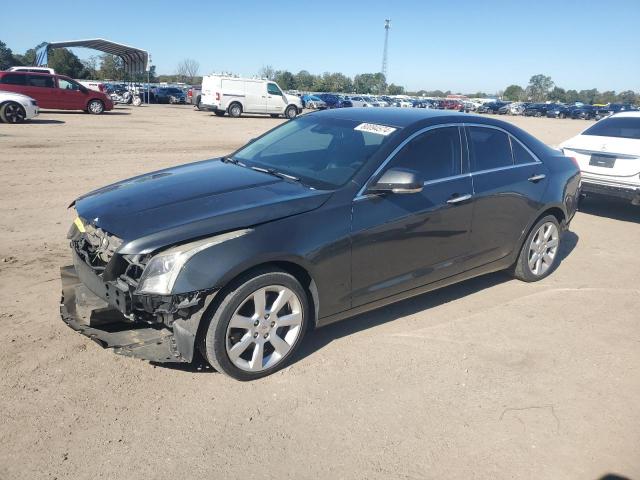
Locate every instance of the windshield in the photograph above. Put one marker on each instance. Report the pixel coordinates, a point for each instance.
(323, 153)
(619, 127)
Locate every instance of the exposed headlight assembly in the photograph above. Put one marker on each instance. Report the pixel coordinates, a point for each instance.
(161, 272)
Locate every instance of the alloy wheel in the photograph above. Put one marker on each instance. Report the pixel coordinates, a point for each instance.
(543, 248)
(14, 113)
(264, 328)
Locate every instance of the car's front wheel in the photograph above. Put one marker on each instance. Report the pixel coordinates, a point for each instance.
(539, 254)
(291, 112)
(258, 325)
(96, 107)
(12, 112)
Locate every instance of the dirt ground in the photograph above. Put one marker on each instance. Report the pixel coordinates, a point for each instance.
(492, 378)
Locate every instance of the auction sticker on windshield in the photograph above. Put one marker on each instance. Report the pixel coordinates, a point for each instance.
(374, 128)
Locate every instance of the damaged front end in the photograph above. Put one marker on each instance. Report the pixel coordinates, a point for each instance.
(101, 298)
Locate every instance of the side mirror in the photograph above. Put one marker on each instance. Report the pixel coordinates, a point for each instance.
(398, 180)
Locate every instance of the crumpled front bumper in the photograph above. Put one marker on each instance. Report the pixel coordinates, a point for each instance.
(93, 317)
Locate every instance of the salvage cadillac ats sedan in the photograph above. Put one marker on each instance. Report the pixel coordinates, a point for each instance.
(324, 217)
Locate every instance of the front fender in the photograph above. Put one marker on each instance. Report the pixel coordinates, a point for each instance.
(216, 266)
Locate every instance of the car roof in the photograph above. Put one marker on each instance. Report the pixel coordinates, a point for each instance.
(626, 114)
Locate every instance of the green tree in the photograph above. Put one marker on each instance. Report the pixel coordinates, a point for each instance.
(588, 96)
(558, 95)
(394, 89)
(539, 87)
(370, 83)
(304, 80)
(111, 67)
(627, 96)
(6, 57)
(572, 96)
(513, 93)
(65, 62)
(285, 79)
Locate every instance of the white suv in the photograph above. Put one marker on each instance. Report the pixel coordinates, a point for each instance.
(608, 154)
(236, 96)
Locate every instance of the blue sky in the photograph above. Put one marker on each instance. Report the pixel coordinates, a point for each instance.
(462, 45)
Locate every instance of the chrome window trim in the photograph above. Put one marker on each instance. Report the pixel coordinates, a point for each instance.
(360, 195)
(511, 137)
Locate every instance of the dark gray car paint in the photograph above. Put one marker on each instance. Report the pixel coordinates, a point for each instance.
(359, 255)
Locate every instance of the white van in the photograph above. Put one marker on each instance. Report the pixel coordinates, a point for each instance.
(236, 96)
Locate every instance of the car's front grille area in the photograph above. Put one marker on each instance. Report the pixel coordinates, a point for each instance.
(95, 246)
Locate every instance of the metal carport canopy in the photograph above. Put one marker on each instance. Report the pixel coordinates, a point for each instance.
(135, 59)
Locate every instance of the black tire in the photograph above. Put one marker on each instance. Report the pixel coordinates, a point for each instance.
(521, 269)
(198, 102)
(219, 113)
(235, 110)
(274, 115)
(214, 341)
(12, 112)
(291, 112)
(538, 114)
(95, 107)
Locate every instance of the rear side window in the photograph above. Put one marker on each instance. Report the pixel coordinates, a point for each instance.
(488, 148)
(41, 81)
(436, 154)
(620, 127)
(520, 154)
(13, 79)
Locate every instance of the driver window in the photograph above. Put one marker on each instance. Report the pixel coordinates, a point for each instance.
(273, 89)
(67, 85)
(436, 154)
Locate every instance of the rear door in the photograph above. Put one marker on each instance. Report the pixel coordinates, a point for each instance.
(508, 182)
(255, 96)
(43, 89)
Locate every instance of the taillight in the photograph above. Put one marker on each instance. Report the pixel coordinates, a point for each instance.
(218, 96)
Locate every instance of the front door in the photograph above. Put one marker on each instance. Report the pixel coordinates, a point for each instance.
(71, 95)
(403, 241)
(275, 99)
(509, 183)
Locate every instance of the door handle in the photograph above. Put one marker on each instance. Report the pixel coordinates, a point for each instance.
(461, 198)
(537, 178)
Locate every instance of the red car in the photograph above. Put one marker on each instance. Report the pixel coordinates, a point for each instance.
(55, 91)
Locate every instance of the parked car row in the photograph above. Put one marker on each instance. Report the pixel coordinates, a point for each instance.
(555, 110)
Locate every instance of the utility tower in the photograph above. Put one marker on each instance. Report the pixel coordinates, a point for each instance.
(387, 26)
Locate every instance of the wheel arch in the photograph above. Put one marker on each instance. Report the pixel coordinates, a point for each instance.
(294, 268)
(555, 210)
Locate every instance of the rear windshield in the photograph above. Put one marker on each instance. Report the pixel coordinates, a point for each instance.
(323, 152)
(620, 127)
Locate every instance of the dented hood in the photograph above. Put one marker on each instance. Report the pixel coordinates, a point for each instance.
(170, 206)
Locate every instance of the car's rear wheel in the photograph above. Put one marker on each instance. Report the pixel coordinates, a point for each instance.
(538, 114)
(235, 110)
(13, 112)
(291, 112)
(539, 254)
(95, 107)
(258, 325)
